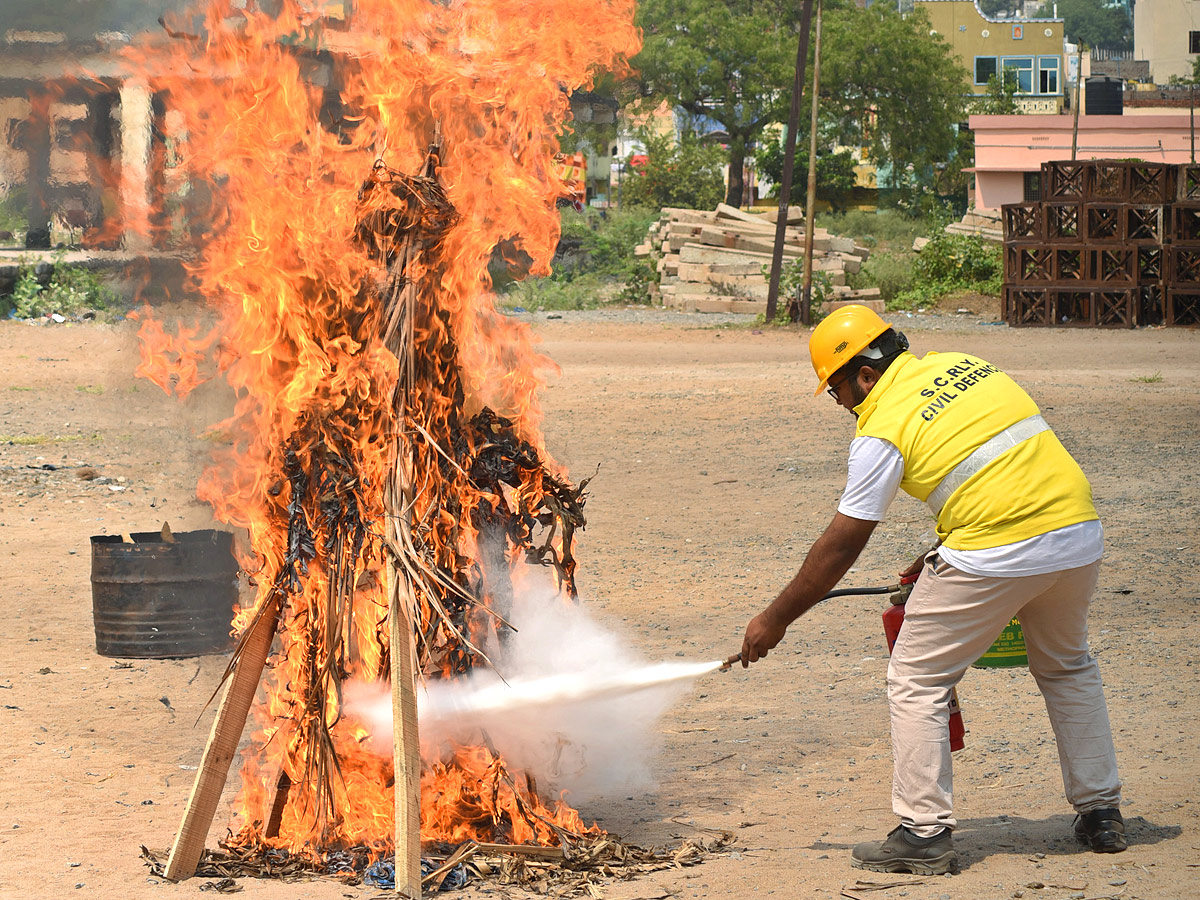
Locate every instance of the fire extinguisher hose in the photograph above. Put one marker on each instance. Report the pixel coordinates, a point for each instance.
(851, 592)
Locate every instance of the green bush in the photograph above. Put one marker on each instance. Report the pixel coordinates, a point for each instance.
(952, 262)
(636, 289)
(890, 271)
(604, 239)
(26, 293)
(596, 264)
(13, 207)
(688, 173)
(791, 281)
(70, 291)
(886, 228)
(961, 259)
(584, 292)
(906, 280)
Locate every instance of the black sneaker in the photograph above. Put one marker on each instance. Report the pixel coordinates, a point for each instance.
(1101, 829)
(903, 851)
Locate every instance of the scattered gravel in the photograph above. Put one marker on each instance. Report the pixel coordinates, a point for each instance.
(657, 315)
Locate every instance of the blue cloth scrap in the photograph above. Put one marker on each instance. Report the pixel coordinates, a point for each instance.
(382, 874)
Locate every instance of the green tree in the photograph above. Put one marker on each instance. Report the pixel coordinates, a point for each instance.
(731, 61)
(1000, 98)
(886, 83)
(835, 172)
(1093, 23)
(893, 88)
(685, 173)
(992, 8)
(1194, 78)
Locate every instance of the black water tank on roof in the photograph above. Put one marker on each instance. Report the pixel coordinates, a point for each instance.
(1104, 96)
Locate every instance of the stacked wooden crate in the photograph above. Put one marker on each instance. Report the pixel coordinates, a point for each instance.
(1182, 295)
(1112, 243)
(716, 261)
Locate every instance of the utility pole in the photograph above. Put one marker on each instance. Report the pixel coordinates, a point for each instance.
(1078, 85)
(811, 199)
(789, 161)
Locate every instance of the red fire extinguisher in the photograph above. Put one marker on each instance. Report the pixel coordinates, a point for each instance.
(893, 619)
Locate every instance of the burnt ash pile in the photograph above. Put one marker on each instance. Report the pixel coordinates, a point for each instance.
(576, 868)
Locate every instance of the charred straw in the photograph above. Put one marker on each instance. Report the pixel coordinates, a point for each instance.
(450, 473)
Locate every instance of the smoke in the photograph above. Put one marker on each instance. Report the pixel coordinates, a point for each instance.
(576, 707)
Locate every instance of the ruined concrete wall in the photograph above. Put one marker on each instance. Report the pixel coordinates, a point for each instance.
(62, 136)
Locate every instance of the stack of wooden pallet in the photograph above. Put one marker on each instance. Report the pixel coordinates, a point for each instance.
(1112, 243)
(718, 261)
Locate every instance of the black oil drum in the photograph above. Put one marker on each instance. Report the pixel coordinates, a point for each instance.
(157, 599)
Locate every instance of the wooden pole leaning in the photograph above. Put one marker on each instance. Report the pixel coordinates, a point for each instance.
(223, 742)
(402, 601)
(406, 743)
(406, 746)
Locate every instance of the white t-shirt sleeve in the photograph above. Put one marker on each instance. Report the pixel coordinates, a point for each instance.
(875, 470)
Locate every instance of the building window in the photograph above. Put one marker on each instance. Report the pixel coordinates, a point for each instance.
(1033, 187)
(1194, 42)
(1048, 75)
(1021, 68)
(985, 68)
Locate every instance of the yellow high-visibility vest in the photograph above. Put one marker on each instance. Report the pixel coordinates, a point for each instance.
(976, 449)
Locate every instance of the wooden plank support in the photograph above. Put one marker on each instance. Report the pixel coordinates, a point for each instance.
(222, 745)
(406, 744)
(520, 850)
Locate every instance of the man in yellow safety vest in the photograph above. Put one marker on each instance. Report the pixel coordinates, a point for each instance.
(1018, 534)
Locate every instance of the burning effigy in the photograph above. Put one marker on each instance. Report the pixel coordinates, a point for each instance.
(385, 457)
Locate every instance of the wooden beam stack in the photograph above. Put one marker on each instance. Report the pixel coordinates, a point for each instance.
(718, 261)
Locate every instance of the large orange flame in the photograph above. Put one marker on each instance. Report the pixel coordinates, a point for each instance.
(276, 120)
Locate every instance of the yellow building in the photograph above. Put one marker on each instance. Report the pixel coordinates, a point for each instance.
(1032, 49)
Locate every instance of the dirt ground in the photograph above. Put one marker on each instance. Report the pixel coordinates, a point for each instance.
(717, 468)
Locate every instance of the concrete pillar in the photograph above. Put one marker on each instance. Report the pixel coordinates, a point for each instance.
(35, 141)
(137, 117)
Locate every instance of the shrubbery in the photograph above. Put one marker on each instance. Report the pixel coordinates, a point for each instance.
(890, 271)
(595, 265)
(949, 263)
(71, 290)
(906, 279)
(882, 229)
(688, 173)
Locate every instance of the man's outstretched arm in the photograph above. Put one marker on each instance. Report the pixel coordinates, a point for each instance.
(829, 558)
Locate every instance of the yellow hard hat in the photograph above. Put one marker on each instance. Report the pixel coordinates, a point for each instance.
(841, 336)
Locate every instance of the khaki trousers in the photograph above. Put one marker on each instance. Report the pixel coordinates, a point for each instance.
(950, 620)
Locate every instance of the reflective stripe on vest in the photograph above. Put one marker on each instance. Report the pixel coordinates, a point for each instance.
(985, 453)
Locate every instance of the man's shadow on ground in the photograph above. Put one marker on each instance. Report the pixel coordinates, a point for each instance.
(977, 839)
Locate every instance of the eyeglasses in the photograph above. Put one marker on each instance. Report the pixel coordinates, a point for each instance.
(832, 390)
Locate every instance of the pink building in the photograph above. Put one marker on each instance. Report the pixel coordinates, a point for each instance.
(1010, 150)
